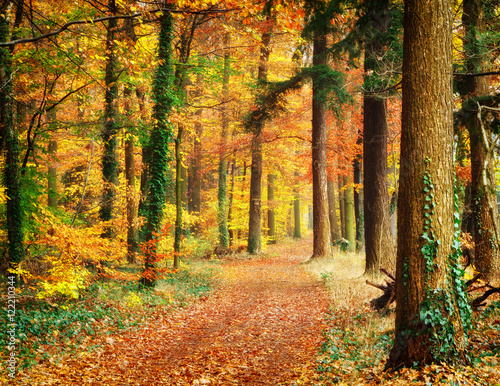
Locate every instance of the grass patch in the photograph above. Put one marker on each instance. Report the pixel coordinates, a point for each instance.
(52, 328)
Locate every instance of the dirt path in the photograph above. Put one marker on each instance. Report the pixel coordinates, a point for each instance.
(262, 327)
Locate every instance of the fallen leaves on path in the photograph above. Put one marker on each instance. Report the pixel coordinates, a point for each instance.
(261, 327)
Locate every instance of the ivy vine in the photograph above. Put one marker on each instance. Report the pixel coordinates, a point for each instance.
(438, 310)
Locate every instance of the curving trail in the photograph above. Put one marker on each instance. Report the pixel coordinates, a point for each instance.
(261, 327)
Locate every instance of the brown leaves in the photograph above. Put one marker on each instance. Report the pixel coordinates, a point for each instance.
(262, 327)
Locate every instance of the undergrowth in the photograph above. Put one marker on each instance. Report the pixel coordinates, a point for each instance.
(357, 339)
(49, 329)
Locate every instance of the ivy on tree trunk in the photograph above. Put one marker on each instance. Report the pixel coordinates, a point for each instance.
(159, 154)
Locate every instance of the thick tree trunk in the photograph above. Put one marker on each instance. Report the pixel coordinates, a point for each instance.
(321, 223)
(270, 212)
(379, 243)
(254, 222)
(378, 237)
(158, 154)
(483, 185)
(110, 129)
(432, 310)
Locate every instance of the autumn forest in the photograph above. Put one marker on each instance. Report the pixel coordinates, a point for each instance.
(266, 192)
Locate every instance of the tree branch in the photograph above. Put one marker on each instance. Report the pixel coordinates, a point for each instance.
(65, 26)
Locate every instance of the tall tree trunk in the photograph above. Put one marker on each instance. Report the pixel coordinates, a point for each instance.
(254, 222)
(270, 212)
(342, 206)
(432, 309)
(52, 196)
(297, 234)
(222, 195)
(321, 223)
(483, 185)
(52, 175)
(178, 195)
(350, 224)
(110, 129)
(194, 173)
(379, 243)
(159, 155)
(358, 193)
(230, 203)
(132, 244)
(10, 143)
(332, 207)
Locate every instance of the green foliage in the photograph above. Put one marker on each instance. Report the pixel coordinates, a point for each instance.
(356, 348)
(272, 102)
(438, 310)
(52, 327)
(165, 99)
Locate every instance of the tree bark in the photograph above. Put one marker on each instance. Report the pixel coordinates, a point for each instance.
(342, 206)
(432, 310)
(332, 207)
(483, 185)
(358, 201)
(222, 194)
(270, 212)
(349, 217)
(52, 196)
(379, 243)
(254, 221)
(110, 128)
(158, 148)
(321, 223)
(10, 144)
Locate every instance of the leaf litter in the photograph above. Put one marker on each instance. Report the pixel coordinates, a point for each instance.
(261, 327)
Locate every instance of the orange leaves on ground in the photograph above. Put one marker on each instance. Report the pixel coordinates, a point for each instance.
(261, 327)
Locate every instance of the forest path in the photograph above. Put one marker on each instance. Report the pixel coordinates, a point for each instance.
(261, 327)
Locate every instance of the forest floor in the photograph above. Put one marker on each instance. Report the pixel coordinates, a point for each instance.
(272, 321)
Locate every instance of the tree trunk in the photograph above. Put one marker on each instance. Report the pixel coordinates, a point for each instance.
(110, 129)
(159, 155)
(379, 243)
(270, 212)
(297, 234)
(483, 185)
(254, 222)
(321, 223)
(194, 174)
(10, 143)
(178, 195)
(222, 195)
(332, 207)
(432, 309)
(342, 206)
(358, 193)
(349, 217)
(230, 203)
